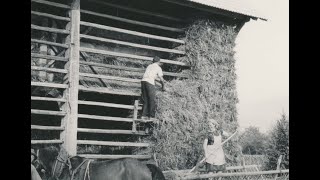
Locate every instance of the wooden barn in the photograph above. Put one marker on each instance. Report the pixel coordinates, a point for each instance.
(87, 60)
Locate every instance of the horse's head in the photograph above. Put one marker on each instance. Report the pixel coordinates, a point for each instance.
(52, 161)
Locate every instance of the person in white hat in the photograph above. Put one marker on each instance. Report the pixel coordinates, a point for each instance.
(213, 150)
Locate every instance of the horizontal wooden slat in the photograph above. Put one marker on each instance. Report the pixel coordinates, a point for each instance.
(47, 29)
(129, 21)
(227, 168)
(129, 69)
(36, 127)
(122, 106)
(108, 91)
(50, 16)
(139, 11)
(117, 54)
(103, 156)
(35, 55)
(45, 84)
(37, 68)
(110, 131)
(49, 43)
(202, 176)
(47, 99)
(132, 44)
(113, 143)
(136, 33)
(52, 4)
(110, 77)
(105, 118)
(46, 141)
(47, 112)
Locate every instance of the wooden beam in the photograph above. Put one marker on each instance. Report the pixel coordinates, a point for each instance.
(205, 8)
(71, 121)
(49, 43)
(51, 4)
(117, 54)
(122, 106)
(110, 131)
(110, 77)
(35, 55)
(148, 13)
(37, 68)
(47, 112)
(45, 84)
(50, 16)
(108, 91)
(156, 26)
(202, 176)
(135, 115)
(46, 141)
(113, 156)
(49, 128)
(35, 98)
(136, 33)
(129, 68)
(132, 44)
(47, 29)
(113, 143)
(104, 118)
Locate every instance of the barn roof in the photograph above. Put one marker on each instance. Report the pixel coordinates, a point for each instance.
(235, 6)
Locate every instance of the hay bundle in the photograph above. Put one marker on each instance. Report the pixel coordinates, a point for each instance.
(210, 92)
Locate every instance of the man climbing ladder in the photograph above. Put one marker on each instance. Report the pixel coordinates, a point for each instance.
(148, 89)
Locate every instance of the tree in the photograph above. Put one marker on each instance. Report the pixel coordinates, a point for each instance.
(253, 141)
(278, 144)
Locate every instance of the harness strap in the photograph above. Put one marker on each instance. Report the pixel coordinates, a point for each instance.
(87, 170)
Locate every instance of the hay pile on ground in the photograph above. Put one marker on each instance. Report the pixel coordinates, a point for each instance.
(210, 92)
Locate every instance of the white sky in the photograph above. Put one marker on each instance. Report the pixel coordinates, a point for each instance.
(262, 62)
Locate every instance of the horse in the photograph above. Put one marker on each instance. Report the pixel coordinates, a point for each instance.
(57, 165)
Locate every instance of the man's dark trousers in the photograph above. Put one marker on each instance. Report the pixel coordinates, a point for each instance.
(149, 99)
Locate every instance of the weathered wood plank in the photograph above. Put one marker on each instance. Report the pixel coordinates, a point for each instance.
(104, 118)
(46, 141)
(52, 4)
(47, 112)
(117, 54)
(47, 29)
(136, 33)
(45, 84)
(132, 44)
(122, 106)
(129, 21)
(110, 77)
(103, 156)
(50, 16)
(113, 143)
(38, 68)
(149, 13)
(108, 91)
(53, 128)
(36, 55)
(49, 43)
(130, 69)
(71, 123)
(35, 98)
(110, 131)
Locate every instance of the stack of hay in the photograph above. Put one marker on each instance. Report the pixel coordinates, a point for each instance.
(210, 92)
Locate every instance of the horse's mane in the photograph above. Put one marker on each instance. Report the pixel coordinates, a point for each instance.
(48, 154)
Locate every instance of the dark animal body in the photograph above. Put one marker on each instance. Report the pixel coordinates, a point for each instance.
(59, 166)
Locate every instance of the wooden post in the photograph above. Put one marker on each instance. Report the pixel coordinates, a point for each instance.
(278, 166)
(70, 122)
(135, 115)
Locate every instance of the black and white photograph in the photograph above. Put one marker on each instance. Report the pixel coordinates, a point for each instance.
(159, 89)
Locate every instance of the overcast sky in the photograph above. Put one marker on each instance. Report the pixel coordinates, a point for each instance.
(262, 62)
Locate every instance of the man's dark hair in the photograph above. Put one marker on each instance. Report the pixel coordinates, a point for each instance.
(156, 59)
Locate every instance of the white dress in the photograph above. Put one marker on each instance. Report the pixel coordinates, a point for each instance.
(215, 154)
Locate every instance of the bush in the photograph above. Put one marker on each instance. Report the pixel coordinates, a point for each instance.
(253, 142)
(278, 144)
